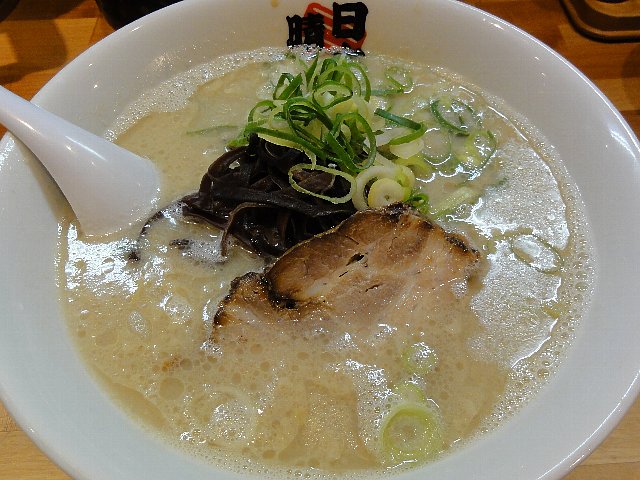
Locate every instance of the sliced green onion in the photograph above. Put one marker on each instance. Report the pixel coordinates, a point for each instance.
(449, 167)
(259, 111)
(332, 171)
(411, 392)
(344, 73)
(386, 191)
(463, 195)
(289, 137)
(479, 147)
(211, 129)
(418, 164)
(398, 120)
(414, 135)
(362, 135)
(407, 150)
(288, 86)
(340, 155)
(394, 86)
(394, 89)
(419, 201)
(456, 115)
(437, 141)
(420, 358)
(240, 141)
(365, 87)
(299, 112)
(335, 90)
(401, 76)
(325, 111)
(402, 176)
(404, 146)
(311, 70)
(365, 177)
(410, 433)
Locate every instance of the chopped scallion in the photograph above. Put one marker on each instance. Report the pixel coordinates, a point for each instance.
(386, 191)
(324, 109)
(411, 433)
(332, 171)
(398, 120)
(462, 195)
(455, 115)
(420, 358)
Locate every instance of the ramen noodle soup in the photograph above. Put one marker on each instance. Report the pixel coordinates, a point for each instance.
(334, 396)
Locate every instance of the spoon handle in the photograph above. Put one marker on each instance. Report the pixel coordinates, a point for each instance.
(108, 187)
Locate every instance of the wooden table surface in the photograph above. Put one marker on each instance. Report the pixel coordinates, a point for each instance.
(39, 37)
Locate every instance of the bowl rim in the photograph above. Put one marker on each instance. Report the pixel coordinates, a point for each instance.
(627, 385)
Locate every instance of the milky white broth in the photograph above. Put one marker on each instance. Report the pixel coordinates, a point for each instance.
(309, 398)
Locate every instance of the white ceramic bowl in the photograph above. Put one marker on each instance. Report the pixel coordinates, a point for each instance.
(50, 393)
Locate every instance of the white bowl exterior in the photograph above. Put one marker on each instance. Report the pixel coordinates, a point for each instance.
(53, 397)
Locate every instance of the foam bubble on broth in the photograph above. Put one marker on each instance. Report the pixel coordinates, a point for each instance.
(145, 330)
(173, 94)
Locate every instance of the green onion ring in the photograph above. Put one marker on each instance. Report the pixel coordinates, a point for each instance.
(398, 120)
(333, 171)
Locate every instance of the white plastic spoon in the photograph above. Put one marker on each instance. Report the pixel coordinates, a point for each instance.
(108, 187)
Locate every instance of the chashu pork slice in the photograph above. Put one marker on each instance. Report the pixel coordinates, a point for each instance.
(377, 265)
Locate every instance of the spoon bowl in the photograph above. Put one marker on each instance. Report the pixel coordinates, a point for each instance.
(108, 187)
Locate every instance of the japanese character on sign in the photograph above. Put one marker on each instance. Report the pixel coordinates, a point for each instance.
(349, 26)
(308, 30)
(341, 26)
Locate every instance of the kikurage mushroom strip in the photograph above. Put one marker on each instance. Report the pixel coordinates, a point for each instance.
(246, 192)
